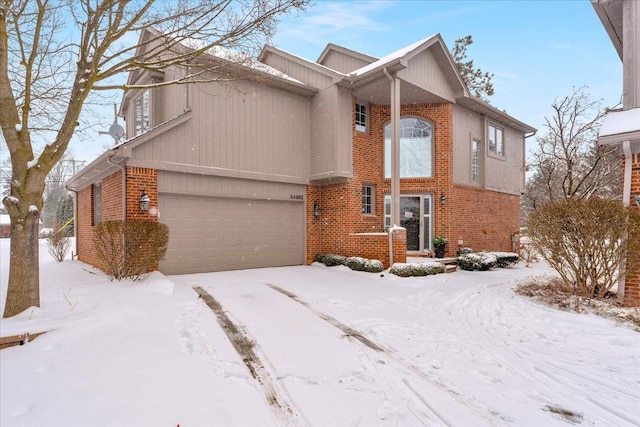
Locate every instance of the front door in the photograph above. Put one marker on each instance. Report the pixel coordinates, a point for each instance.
(416, 218)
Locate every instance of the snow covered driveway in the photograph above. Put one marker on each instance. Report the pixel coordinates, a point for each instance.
(457, 349)
(332, 347)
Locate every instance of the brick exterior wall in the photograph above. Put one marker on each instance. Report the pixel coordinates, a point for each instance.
(485, 220)
(138, 179)
(632, 281)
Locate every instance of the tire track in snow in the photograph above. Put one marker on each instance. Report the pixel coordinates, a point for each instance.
(282, 409)
(434, 386)
(538, 363)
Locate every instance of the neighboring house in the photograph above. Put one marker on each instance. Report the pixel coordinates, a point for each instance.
(5, 225)
(294, 158)
(621, 20)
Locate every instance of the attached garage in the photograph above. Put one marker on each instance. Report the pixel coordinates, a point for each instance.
(214, 233)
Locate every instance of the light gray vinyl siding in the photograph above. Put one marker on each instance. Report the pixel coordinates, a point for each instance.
(331, 154)
(224, 187)
(506, 174)
(466, 125)
(497, 173)
(299, 71)
(170, 101)
(250, 129)
(343, 63)
(425, 71)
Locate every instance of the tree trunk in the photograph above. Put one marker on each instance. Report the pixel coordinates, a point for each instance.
(24, 272)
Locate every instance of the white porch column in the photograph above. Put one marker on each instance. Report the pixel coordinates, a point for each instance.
(395, 150)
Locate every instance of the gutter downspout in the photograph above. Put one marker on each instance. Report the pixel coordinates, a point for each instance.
(626, 201)
(123, 168)
(524, 158)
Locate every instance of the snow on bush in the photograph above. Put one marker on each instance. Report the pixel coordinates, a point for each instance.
(477, 261)
(419, 269)
(506, 259)
(354, 263)
(331, 260)
(373, 266)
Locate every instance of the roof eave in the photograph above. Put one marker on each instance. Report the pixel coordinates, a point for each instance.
(611, 25)
(482, 107)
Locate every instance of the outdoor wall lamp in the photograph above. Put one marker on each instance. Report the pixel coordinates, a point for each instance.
(316, 210)
(637, 200)
(443, 199)
(144, 201)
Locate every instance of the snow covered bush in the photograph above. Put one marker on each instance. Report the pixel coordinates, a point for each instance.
(128, 249)
(586, 240)
(418, 269)
(506, 259)
(477, 261)
(355, 263)
(330, 260)
(373, 266)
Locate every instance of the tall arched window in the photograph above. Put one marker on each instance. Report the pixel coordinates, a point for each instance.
(416, 148)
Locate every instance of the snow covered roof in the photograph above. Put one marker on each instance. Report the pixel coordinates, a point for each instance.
(398, 54)
(5, 219)
(239, 58)
(621, 125)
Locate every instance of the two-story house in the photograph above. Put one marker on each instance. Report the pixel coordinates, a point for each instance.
(621, 20)
(291, 158)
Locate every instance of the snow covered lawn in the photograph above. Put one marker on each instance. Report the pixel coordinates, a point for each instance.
(332, 347)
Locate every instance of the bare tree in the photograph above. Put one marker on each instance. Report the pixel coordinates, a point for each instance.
(569, 162)
(478, 81)
(54, 54)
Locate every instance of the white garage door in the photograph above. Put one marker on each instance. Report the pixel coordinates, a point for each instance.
(215, 234)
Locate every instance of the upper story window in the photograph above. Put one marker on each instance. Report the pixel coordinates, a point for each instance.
(496, 141)
(142, 113)
(475, 160)
(361, 117)
(416, 148)
(97, 203)
(368, 199)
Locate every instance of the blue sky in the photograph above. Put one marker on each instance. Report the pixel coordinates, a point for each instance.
(537, 50)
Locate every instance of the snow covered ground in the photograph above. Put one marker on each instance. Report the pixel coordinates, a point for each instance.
(329, 346)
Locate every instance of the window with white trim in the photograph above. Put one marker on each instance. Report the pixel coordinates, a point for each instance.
(97, 203)
(475, 160)
(361, 117)
(416, 148)
(368, 199)
(142, 113)
(496, 140)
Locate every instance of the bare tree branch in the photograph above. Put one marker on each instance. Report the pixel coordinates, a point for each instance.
(54, 56)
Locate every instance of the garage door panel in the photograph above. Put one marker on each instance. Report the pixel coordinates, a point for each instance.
(214, 234)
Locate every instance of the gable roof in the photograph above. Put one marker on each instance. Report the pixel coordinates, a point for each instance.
(242, 64)
(330, 48)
